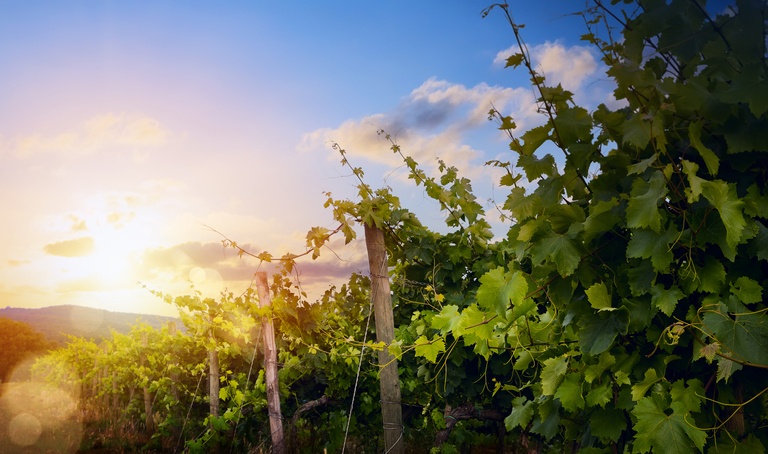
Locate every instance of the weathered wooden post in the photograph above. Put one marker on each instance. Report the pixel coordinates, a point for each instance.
(213, 370)
(270, 366)
(389, 382)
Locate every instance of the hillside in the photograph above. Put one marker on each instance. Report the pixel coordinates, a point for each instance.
(56, 322)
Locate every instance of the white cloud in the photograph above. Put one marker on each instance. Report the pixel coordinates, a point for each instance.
(430, 123)
(97, 134)
(570, 66)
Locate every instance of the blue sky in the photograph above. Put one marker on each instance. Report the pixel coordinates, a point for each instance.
(126, 127)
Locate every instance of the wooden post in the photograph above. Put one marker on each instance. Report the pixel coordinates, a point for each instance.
(389, 382)
(270, 366)
(213, 371)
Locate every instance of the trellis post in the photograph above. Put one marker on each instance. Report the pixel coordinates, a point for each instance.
(389, 381)
(270, 366)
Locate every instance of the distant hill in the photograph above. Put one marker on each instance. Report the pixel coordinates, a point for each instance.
(56, 322)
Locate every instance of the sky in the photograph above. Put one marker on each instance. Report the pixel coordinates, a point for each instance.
(134, 134)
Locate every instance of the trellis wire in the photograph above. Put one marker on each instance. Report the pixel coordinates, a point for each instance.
(357, 377)
(186, 418)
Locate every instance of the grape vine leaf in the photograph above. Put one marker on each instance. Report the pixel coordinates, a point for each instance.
(447, 320)
(608, 424)
(560, 249)
(598, 297)
(595, 371)
(429, 349)
(743, 337)
(570, 393)
(597, 332)
(747, 290)
(521, 414)
(499, 288)
(662, 432)
(710, 158)
(727, 445)
(723, 197)
(649, 244)
(552, 374)
(639, 389)
(600, 395)
(666, 299)
(642, 208)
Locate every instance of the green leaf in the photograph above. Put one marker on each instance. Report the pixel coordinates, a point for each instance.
(710, 158)
(521, 414)
(447, 320)
(598, 297)
(666, 299)
(600, 395)
(637, 131)
(597, 332)
(693, 191)
(726, 368)
(641, 278)
(727, 445)
(760, 242)
(574, 124)
(747, 290)
(666, 433)
(561, 250)
(533, 139)
(690, 394)
(514, 60)
(596, 371)
(723, 197)
(608, 424)
(642, 208)
(743, 337)
(641, 166)
(535, 167)
(552, 374)
(708, 278)
(650, 379)
(429, 349)
(521, 206)
(570, 393)
(602, 218)
(498, 289)
(646, 244)
(395, 349)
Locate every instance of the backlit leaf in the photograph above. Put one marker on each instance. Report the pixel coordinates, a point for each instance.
(598, 297)
(447, 320)
(429, 349)
(498, 289)
(642, 208)
(710, 158)
(552, 374)
(723, 197)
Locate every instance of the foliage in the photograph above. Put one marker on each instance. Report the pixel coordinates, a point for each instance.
(19, 341)
(624, 308)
